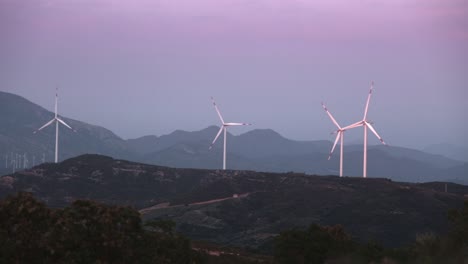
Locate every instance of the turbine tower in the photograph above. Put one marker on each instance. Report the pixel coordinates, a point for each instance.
(57, 120)
(339, 135)
(224, 128)
(366, 124)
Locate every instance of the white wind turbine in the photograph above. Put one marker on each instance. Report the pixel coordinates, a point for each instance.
(57, 120)
(366, 124)
(339, 135)
(224, 127)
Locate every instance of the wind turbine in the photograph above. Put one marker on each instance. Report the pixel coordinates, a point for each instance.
(339, 135)
(224, 127)
(57, 120)
(366, 124)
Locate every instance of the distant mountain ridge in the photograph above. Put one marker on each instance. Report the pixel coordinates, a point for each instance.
(259, 149)
(459, 153)
(21, 117)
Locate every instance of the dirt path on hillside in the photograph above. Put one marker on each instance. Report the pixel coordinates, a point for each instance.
(168, 205)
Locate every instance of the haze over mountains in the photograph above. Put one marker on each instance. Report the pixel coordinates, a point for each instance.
(259, 149)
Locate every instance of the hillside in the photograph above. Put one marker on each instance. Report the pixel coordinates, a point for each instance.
(205, 207)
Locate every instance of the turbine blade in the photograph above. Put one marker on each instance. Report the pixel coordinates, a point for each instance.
(44, 126)
(217, 135)
(334, 145)
(368, 100)
(56, 102)
(65, 124)
(237, 124)
(375, 133)
(357, 124)
(331, 116)
(217, 110)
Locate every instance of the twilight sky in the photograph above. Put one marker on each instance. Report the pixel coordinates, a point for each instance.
(150, 66)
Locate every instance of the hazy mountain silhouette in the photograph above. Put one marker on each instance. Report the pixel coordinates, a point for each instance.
(265, 150)
(259, 150)
(143, 145)
(456, 152)
(260, 143)
(197, 155)
(20, 118)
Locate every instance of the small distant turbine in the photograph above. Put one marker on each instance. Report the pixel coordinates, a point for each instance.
(366, 124)
(224, 127)
(57, 120)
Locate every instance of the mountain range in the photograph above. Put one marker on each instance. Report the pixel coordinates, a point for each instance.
(258, 150)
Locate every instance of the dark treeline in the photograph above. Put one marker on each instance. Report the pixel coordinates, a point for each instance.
(327, 244)
(85, 232)
(90, 232)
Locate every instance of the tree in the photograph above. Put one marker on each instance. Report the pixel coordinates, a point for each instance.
(458, 235)
(24, 229)
(459, 221)
(313, 245)
(87, 232)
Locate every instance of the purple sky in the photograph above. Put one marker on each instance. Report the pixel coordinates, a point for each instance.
(149, 67)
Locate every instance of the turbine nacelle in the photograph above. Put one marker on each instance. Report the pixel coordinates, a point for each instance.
(366, 124)
(236, 124)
